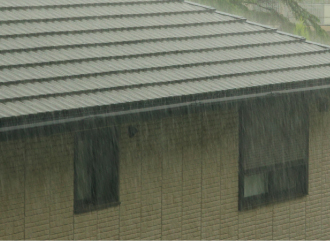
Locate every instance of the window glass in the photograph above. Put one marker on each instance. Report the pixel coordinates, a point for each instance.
(284, 180)
(255, 184)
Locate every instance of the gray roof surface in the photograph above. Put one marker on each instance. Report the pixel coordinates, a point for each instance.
(67, 55)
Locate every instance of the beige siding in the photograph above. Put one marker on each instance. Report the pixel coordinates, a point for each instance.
(317, 224)
(178, 180)
(12, 188)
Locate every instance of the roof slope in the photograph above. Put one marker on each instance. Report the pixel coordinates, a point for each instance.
(89, 56)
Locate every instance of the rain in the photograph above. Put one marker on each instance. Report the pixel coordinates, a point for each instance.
(164, 120)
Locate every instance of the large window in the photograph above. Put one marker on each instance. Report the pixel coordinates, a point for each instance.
(273, 151)
(96, 170)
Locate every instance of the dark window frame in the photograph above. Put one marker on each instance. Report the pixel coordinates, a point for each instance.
(302, 165)
(93, 203)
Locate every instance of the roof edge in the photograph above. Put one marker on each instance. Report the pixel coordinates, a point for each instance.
(254, 23)
(212, 9)
(225, 99)
(291, 35)
(319, 44)
(261, 25)
(230, 15)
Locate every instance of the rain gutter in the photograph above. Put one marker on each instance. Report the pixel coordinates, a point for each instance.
(198, 103)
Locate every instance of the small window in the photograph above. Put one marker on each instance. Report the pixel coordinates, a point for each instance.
(255, 184)
(273, 151)
(96, 170)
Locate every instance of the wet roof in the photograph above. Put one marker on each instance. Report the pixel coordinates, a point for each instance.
(70, 55)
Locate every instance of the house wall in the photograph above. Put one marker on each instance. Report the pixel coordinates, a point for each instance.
(178, 180)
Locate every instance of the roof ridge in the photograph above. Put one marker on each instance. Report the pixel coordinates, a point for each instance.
(15, 82)
(161, 53)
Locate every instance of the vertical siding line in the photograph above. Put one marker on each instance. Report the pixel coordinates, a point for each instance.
(306, 218)
(273, 212)
(219, 163)
(308, 107)
(119, 141)
(181, 188)
(201, 167)
(322, 162)
(119, 221)
(49, 183)
(161, 186)
(73, 163)
(308, 161)
(308, 168)
(143, 144)
(97, 225)
(24, 151)
(290, 206)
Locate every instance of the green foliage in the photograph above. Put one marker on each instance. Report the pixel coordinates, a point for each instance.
(265, 12)
(301, 29)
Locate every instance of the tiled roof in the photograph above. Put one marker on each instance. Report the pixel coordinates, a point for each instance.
(84, 55)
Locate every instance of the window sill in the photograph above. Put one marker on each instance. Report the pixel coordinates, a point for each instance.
(266, 202)
(90, 208)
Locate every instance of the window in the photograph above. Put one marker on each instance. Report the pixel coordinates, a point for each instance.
(273, 151)
(96, 170)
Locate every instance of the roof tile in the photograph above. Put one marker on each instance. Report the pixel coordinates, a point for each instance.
(60, 55)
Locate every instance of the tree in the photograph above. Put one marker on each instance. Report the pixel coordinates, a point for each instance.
(271, 12)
